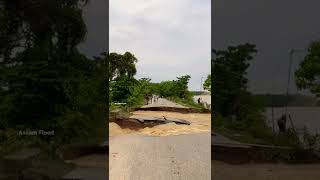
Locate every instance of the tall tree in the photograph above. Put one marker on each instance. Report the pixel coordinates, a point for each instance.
(308, 74)
(207, 83)
(229, 74)
(182, 86)
(122, 65)
(122, 70)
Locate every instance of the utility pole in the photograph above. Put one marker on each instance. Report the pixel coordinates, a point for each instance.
(201, 84)
(291, 53)
(288, 81)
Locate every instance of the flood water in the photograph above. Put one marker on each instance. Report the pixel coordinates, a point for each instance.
(308, 117)
(204, 98)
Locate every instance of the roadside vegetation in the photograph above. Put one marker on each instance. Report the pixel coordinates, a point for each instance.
(46, 83)
(235, 108)
(127, 93)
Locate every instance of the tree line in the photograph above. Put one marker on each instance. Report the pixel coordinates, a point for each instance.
(125, 88)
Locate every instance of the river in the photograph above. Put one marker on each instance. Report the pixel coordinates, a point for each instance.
(308, 117)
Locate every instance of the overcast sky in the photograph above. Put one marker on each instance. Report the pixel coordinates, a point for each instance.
(95, 15)
(170, 38)
(274, 26)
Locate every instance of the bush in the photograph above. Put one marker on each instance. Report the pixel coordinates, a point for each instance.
(311, 141)
(138, 93)
(176, 88)
(121, 89)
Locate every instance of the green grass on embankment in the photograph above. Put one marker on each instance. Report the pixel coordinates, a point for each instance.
(188, 102)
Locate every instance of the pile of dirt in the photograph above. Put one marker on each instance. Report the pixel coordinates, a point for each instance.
(116, 130)
(171, 129)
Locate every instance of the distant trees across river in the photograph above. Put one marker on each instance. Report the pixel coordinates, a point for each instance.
(280, 100)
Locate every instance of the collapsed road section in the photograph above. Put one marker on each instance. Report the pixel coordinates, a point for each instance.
(163, 120)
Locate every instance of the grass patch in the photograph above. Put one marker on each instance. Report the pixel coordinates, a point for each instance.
(188, 102)
(241, 136)
(254, 132)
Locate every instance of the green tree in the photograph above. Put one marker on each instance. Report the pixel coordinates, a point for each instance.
(175, 88)
(207, 83)
(121, 65)
(121, 88)
(122, 68)
(230, 94)
(181, 86)
(139, 92)
(230, 82)
(308, 74)
(48, 83)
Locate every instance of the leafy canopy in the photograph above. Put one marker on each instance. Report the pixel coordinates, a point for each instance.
(308, 74)
(207, 83)
(229, 70)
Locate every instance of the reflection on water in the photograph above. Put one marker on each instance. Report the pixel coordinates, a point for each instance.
(204, 98)
(308, 117)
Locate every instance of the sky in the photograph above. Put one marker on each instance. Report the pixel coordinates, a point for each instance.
(275, 27)
(170, 38)
(95, 15)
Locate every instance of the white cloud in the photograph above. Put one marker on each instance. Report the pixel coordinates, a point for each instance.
(169, 37)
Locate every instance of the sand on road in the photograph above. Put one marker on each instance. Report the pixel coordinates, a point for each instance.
(166, 151)
(200, 123)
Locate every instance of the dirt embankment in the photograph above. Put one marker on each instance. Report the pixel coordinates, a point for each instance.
(199, 123)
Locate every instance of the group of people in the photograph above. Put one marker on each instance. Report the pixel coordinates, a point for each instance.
(152, 99)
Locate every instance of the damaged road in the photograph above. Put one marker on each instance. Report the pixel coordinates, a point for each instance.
(163, 120)
(160, 144)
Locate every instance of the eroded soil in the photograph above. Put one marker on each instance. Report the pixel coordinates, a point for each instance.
(200, 123)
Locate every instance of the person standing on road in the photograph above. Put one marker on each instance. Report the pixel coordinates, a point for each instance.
(282, 121)
(199, 100)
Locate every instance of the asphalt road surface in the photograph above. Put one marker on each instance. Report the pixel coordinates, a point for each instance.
(181, 157)
(162, 102)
